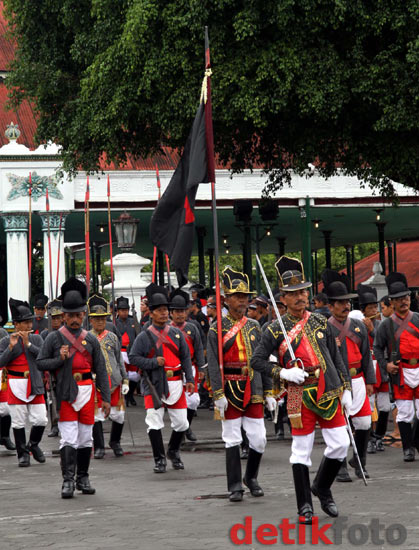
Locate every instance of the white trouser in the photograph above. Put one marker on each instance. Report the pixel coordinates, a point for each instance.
(116, 415)
(254, 428)
(178, 419)
(35, 414)
(4, 409)
(192, 400)
(406, 410)
(337, 444)
(75, 434)
(361, 422)
(383, 402)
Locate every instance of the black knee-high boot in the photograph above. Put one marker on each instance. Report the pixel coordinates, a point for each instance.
(189, 433)
(156, 440)
(251, 475)
(115, 440)
(173, 450)
(406, 434)
(361, 441)
(302, 492)
(68, 469)
(21, 447)
(234, 473)
(83, 462)
(325, 476)
(98, 440)
(380, 429)
(34, 440)
(5, 423)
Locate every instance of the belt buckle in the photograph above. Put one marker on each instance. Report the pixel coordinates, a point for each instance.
(352, 371)
(77, 376)
(245, 371)
(169, 373)
(413, 361)
(26, 374)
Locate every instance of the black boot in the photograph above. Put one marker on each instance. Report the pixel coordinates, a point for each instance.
(130, 395)
(372, 444)
(234, 474)
(115, 440)
(415, 434)
(156, 440)
(405, 429)
(68, 468)
(252, 469)
(54, 432)
(21, 447)
(380, 430)
(98, 440)
(361, 441)
(5, 423)
(343, 474)
(189, 433)
(302, 492)
(325, 476)
(173, 450)
(83, 462)
(34, 440)
(244, 455)
(279, 426)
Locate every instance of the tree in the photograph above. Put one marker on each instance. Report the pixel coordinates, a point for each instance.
(329, 82)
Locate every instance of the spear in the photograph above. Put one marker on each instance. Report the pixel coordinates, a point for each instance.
(30, 237)
(110, 248)
(87, 235)
(58, 253)
(155, 248)
(49, 248)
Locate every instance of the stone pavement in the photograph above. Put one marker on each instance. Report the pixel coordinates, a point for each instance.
(187, 510)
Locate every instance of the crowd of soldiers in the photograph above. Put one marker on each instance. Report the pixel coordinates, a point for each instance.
(332, 366)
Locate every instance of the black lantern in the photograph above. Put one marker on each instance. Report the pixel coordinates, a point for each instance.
(126, 231)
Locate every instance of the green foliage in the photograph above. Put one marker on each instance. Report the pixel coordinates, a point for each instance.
(332, 82)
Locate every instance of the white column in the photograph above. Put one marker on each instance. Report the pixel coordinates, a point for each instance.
(57, 244)
(16, 228)
(128, 279)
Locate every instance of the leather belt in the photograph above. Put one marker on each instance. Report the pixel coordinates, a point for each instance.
(19, 374)
(79, 376)
(412, 362)
(174, 375)
(236, 371)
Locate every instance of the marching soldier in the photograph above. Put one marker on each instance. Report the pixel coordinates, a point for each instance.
(162, 354)
(75, 355)
(125, 325)
(39, 322)
(240, 398)
(179, 303)
(115, 366)
(316, 393)
(354, 345)
(396, 347)
(25, 390)
(5, 418)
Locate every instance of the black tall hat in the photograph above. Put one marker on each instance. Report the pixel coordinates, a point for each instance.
(367, 294)
(397, 285)
(235, 282)
(122, 303)
(55, 307)
(74, 293)
(157, 296)
(262, 300)
(40, 301)
(179, 299)
(97, 306)
(20, 310)
(337, 285)
(291, 274)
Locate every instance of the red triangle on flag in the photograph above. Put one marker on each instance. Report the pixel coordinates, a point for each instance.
(189, 215)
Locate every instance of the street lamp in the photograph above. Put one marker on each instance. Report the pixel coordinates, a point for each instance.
(126, 231)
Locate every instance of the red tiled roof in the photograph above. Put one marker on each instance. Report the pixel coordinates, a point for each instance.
(6, 46)
(24, 117)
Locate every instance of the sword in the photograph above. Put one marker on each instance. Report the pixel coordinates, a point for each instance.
(296, 361)
(351, 437)
(129, 426)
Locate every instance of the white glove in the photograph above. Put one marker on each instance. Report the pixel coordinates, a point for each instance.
(221, 405)
(124, 389)
(346, 400)
(270, 403)
(294, 374)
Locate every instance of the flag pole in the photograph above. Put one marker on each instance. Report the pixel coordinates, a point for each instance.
(110, 249)
(155, 248)
(58, 253)
(30, 238)
(87, 235)
(49, 248)
(209, 135)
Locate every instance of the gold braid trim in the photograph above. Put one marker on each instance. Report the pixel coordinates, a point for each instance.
(218, 394)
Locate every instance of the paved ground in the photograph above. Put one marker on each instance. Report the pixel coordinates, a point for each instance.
(137, 509)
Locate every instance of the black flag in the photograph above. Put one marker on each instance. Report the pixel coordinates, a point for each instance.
(173, 221)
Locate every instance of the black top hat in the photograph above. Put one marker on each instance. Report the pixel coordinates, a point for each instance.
(397, 285)
(262, 301)
(122, 303)
(291, 274)
(55, 307)
(367, 294)
(179, 299)
(157, 296)
(97, 306)
(74, 293)
(337, 285)
(235, 282)
(40, 301)
(20, 310)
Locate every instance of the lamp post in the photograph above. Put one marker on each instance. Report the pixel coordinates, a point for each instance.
(126, 231)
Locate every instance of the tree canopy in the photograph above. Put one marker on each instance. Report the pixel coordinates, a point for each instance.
(328, 82)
